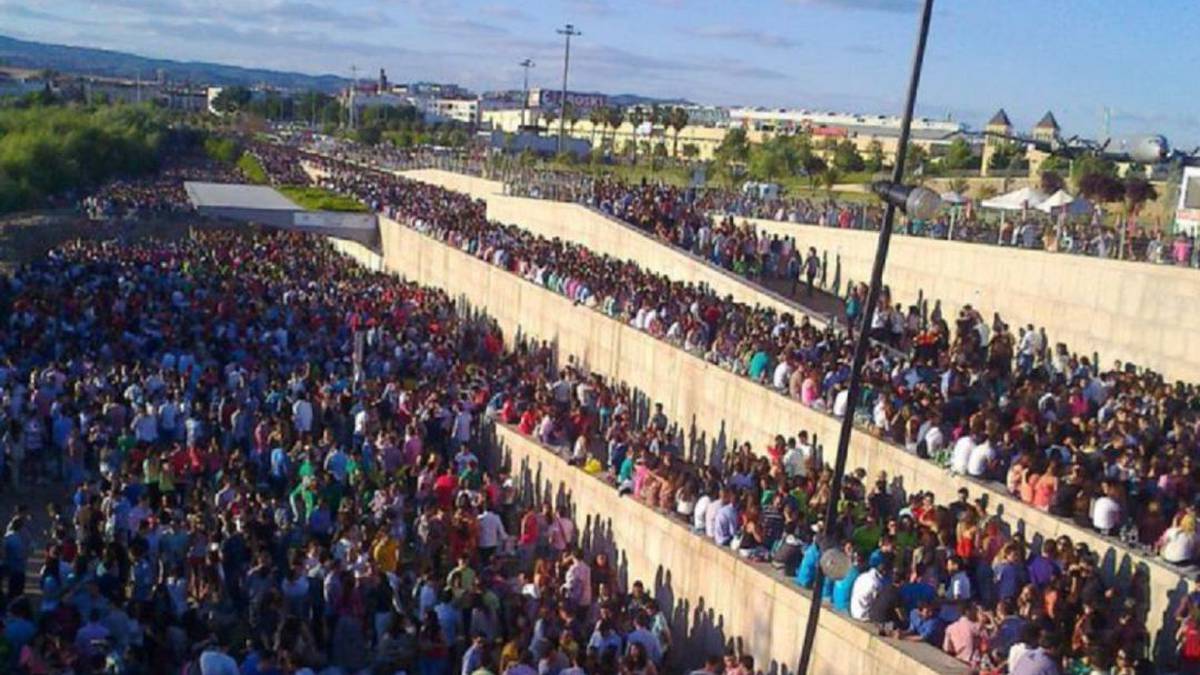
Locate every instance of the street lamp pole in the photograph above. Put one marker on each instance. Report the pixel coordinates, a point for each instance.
(862, 341)
(526, 64)
(569, 31)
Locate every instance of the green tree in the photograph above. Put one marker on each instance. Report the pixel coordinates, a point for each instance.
(368, 134)
(691, 151)
(231, 99)
(1004, 156)
(960, 156)
(677, 119)
(847, 159)
(874, 161)
(829, 178)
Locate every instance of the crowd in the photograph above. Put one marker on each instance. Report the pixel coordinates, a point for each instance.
(271, 459)
(279, 163)
(156, 195)
(972, 394)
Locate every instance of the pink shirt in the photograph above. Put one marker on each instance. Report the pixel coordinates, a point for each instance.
(962, 640)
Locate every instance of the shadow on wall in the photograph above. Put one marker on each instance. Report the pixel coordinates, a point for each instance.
(697, 632)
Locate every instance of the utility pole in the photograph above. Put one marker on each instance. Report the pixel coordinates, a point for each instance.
(569, 31)
(526, 64)
(353, 91)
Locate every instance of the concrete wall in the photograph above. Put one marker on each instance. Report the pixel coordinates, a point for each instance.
(715, 407)
(603, 234)
(712, 595)
(1135, 312)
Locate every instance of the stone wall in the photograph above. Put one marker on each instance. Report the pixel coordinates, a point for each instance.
(1134, 312)
(712, 596)
(603, 234)
(718, 408)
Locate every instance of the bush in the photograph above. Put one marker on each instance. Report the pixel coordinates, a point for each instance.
(320, 199)
(49, 150)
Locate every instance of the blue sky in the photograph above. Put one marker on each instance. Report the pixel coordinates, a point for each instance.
(1138, 57)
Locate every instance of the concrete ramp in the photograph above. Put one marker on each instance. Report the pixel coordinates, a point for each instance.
(266, 206)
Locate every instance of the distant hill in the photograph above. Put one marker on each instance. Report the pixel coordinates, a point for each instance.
(104, 62)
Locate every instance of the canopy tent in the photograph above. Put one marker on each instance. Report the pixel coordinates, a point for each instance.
(1016, 200)
(1063, 201)
(953, 198)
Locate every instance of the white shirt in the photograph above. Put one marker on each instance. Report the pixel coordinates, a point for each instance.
(1178, 546)
(960, 586)
(795, 458)
(783, 372)
(935, 440)
(839, 403)
(862, 595)
(700, 512)
(980, 456)
(961, 455)
(1106, 513)
(462, 426)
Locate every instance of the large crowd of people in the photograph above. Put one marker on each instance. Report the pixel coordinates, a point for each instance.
(157, 195)
(1017, 583)
(984, 400)
(274, 465)
(271, 458)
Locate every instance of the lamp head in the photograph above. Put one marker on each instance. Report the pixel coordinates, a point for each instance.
(918, 202)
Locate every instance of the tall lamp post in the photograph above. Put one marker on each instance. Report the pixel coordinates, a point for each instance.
(526, 64)
(918, 203)
(569, 31)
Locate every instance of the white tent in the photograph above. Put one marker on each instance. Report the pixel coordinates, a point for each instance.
(953, 198)
(1016, 200)
(1062, 200)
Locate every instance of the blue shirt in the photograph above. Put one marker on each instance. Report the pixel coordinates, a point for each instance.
(914, 593)
(726, 525)
(842, 589)
(931, 630)
(806, 573)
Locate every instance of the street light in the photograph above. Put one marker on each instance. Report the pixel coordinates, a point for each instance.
(916, 203)
(569, 31)
(526, 64)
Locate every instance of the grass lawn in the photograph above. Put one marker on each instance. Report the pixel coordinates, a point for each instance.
(320, 199)
(252, 169)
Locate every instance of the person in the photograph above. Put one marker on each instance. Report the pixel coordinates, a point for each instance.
(963, 637)
(867, 587)
(1040, 660)
(812, 266)
(925, 625)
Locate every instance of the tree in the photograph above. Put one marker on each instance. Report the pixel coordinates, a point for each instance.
(571, 115)
(616, 117)
(959, 185)
(987, 191)
(814, 167)
(1055, 164)
(677, 119)
(630, 149)
(691, 151)
(598, 116)
(829, 178)
(1138, 191)
(1051, 182)
(636, 117)
(960, 156)
(231, 99)
(847, 159)
(660, 153)
(1087, 167)
(917, 155)
(369, 134)
(1004, 156)
(549, 116)
(874, 162)
(1100, 187)
(735, 147)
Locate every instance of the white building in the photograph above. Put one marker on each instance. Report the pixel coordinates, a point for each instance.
(790, 119)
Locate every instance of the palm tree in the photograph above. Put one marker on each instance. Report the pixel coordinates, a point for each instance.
(548, 117)
(677, 119)
(599, 118)
(571, 113)
(616, 117)
(636, 117)
(959, 185)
